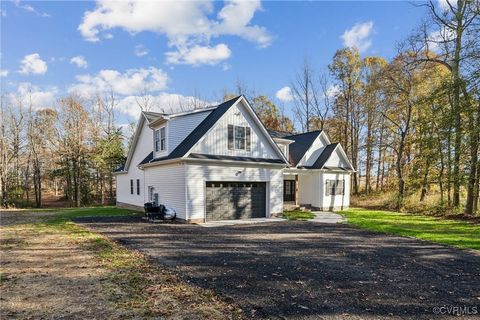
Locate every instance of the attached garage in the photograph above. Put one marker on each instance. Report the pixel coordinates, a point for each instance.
(230, 200)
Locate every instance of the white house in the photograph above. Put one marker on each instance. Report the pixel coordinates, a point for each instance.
(221, 163)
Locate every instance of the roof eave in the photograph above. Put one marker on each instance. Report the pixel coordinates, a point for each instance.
(283, 165)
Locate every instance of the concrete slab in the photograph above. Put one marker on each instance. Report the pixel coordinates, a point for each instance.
(224, 223)
(327, 217)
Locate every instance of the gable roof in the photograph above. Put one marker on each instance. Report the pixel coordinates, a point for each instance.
(201, 130)
(303, 142)
(323, 157)
(197, 133)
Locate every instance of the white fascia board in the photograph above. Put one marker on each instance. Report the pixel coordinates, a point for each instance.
(285, 141)
(136, 135)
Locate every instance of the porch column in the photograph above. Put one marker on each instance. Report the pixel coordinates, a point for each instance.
(296, 189)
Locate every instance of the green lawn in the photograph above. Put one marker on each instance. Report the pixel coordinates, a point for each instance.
(451, 232)
(298, 215)
(69, 214)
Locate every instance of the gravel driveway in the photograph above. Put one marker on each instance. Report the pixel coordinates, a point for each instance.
(302, 270)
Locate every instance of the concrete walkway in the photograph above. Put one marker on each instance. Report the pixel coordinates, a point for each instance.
(327, 217)
(224, 223)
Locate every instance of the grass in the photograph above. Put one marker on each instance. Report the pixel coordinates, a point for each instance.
(451, 232)
(298, 215)
(135, 285)
(69, 214)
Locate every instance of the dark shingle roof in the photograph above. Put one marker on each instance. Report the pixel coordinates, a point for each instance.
(147, 158)
(323, 157)
(247, 159)
(278, 134)
(196, 134)
(302, 143)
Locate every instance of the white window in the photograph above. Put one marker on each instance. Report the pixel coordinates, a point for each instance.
(160, 140)
(334, 187)
(238, 137)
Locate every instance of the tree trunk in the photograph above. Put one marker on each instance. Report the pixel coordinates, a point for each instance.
(472, 179)
(440, 175)
(425, 180)
(380, 157)
(449, 166)
(457, 105)
(368, 167)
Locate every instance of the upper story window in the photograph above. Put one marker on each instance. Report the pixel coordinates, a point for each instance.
(160, 140)
(239, 137)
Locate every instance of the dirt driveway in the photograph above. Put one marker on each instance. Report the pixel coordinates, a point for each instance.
(302, 270)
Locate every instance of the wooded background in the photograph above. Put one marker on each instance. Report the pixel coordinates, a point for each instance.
(410, 125)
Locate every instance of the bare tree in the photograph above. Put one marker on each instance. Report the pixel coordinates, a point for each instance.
(304, 95)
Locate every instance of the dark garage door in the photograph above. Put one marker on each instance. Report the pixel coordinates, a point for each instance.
(235, 200)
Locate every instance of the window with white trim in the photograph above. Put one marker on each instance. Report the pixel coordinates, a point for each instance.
(334, 187)
(160, 139)
(239, 137)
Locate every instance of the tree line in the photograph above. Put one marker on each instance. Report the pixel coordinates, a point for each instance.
(71, 150)
(409, 124)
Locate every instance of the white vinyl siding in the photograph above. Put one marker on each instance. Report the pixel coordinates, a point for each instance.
(143, 148)
(312, 190)
(336, 160)
(197, 175)
(336, 202)
(216, 140)
(169, 182)
(334, 187)
(180, 127)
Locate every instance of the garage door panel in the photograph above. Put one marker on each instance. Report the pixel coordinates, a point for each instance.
(235, 200)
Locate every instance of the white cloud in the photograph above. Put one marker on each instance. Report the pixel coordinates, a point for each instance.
(359, 36)
(140, 50)
(3, 73)
(32, 63)
(132, 81)
(235, 19)
(284, 94)
(29, 8)
(333, 91)
(198, 55)
(185, 23)
(444, 4)
(438, 39)
(163, 102)
(79, 61)
(40, 99)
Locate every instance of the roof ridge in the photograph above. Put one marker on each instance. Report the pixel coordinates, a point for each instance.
(304, 133)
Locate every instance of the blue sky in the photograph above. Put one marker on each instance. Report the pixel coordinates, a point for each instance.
(183, 49)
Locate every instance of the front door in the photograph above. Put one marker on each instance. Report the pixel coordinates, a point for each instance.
(288, 190)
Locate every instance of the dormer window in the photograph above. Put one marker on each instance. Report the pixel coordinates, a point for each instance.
(160, 140)
(238, 137)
